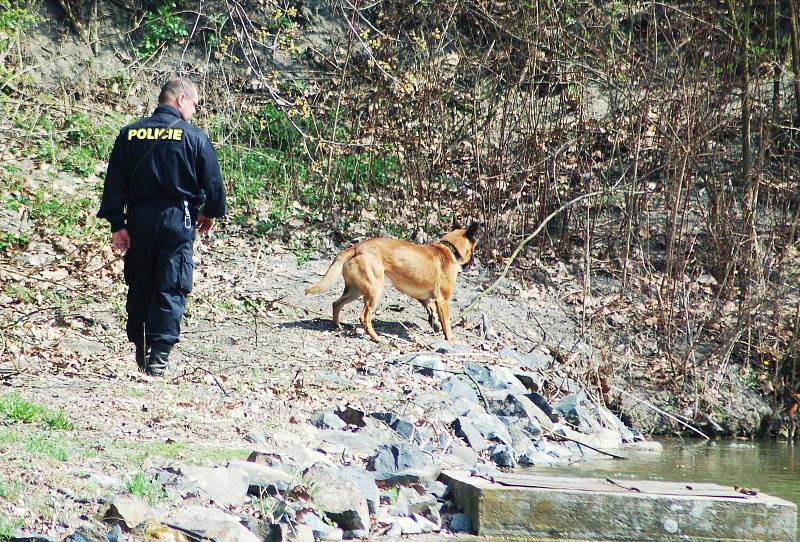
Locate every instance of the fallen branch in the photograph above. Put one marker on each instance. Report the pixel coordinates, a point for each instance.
(667, 414)
(524, 242)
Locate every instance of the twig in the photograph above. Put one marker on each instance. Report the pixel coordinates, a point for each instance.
(556, 436)
(524, 242)
(667, 414)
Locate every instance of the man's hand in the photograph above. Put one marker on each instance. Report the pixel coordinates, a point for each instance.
(120, 240)
(204, 223)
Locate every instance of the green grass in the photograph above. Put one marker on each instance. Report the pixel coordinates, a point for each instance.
(8, 526)
(69, 216)
(146, 487)
(18, 409)
(10, 491)
(48, 446)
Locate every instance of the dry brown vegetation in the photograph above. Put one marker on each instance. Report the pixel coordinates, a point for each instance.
(680, 118)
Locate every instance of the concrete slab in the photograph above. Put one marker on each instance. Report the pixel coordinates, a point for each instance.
(544, 507)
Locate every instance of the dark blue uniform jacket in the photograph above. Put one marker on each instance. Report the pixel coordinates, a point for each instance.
(161, 157)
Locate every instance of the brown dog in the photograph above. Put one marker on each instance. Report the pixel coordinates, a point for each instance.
(425, 272)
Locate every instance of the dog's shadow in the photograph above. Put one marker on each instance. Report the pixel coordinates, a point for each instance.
(383, 328)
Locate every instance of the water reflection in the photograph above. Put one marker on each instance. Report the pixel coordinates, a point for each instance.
(771, 466)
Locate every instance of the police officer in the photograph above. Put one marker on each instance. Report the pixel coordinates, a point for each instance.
(163, 180)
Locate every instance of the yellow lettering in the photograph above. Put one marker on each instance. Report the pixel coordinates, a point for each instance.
(177, 135)
(159, 132)
(131, 134)
(141, 133)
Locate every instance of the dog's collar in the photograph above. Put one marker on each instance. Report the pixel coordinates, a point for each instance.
(453, 249)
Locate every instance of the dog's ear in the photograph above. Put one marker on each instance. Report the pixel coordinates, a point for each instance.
(472, 231)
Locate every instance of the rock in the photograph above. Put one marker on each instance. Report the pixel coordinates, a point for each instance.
(497, 378)
(519, 406)
(226, 487)
(458, 389)
(298, 456)
(567, 384)
(543, 405)
(351, 416)
(339, 497)
(209, 523)
(86, 533)
(427, 525)
(30, 537)
(572, 408)
(438, 489)
(320, 529)
(416, 502)
(536, 360)
(256, 436)
(444, 347)
(327, 419)
(644, 446)
(535, 457)
(359, 533)
(612, 420)
(462, 455)
(428, 365)
(602, 439)
(477, 429)
(115, 534)
(398, 457)
(533, 382)
(363, 442)
(128, 510)
(461, 523)
(414, 524)
(465, 429)
(282, 532)
(261, 478)
(402, 427)
(366, 484)
(519, 437)
(502, 455)
(555, 450)
(411, 476)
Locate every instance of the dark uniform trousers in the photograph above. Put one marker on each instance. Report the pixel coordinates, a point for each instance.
(158, 269)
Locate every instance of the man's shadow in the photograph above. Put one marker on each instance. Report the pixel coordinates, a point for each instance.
(383, 328)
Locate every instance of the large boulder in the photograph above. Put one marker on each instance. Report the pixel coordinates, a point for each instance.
(338, 496)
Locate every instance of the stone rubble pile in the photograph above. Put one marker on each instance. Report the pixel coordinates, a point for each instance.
(373, 473)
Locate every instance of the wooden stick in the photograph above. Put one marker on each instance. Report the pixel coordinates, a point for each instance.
(667, 414)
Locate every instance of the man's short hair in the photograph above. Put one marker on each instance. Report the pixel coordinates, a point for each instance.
(175, 87)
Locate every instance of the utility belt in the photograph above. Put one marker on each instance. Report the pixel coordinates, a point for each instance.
(191, 208)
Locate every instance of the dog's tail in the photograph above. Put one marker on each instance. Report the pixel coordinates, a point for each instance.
(333, 272)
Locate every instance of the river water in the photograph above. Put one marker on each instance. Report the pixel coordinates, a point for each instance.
(773, 467)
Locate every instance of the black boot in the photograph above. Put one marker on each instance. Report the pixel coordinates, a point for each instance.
(159, 359)
(142, 357)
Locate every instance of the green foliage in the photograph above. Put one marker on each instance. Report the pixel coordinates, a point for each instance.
(18, 409)
(363, 169)
(79, 160)
(160, 28)
(146, 487)
(95, 135)
(8, 526)
(10, 491)
(13, 19)
(21, 294)
(10, 240)
(48, 447)
(70, 217)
